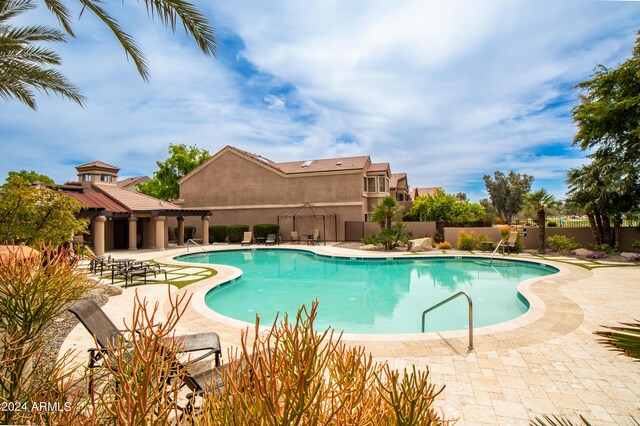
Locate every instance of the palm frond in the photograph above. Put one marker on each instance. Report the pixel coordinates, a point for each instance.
(546, 420)
(126, 41)
(22, 63)
(624, 339)
(193, 21)
(62, 13)
(11, 8)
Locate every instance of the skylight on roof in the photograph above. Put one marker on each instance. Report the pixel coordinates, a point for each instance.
(307, 163)
(264, 160)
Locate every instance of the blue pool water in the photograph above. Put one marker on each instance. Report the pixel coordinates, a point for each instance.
(368, 296)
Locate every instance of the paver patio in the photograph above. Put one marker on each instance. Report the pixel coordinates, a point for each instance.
(546, 362)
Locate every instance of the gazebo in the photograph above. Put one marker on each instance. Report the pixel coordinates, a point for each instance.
(308, 210)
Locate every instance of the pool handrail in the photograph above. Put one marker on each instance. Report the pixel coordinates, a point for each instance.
(195, 244)
(460, 293)
(496, 250)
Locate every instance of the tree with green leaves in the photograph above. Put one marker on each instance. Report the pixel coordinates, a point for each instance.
(182, 160)
(32, 215)
(606, 191)
(443, 206)
(608, 112)
(388, 215)
(539, 202)
(31, 177)
(507, 192)
(25, 64)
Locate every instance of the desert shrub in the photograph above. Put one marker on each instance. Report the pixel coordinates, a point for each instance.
(605, 248)
(465, 241)
(504, 231)
(481, 238)
(236, 232)
(32, 294)
(636, 245)
(519, 245)
(562, 243)
(552, 223)
(295, 375)
(444, 245)
(262, 230)
(370, 239)
(393, 236)
(217, 233)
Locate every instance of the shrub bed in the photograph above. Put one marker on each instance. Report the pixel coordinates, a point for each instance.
(236, 232)
(217, 233)
(264, 229)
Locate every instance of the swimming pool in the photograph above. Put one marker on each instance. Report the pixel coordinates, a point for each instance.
(368, 296)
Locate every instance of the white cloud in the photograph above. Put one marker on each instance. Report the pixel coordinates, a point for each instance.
(445, 90)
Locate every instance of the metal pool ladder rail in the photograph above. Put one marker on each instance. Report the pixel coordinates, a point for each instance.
(496, 250)
(195, 244)
(460, 293)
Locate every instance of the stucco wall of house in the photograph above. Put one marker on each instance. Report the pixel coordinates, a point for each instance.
(232, 180)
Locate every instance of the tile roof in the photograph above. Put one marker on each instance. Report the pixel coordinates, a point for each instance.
(96, 200)
(378, 167)
(97, 164)
(130, 181)
(324, 165)
(395, 177)
(134, 201)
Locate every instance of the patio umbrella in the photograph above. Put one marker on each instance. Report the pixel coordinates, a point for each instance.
(17, 252)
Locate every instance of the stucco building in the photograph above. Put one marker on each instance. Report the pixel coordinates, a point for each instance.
(239, 187)
(121, 218)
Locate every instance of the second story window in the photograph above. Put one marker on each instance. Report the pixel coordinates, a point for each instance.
(382, 184)
(371, 184)
(86, 177)
(106, 178)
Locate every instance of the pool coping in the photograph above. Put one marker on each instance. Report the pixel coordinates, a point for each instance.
(540, 292)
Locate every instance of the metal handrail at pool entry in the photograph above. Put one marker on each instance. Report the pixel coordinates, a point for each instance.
(460, 293)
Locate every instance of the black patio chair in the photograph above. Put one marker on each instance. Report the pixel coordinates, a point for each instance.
(96, 321)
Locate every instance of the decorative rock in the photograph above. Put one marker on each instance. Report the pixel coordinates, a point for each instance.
(112, 290)
(582, 252)
(421, 244)
(627, 255)
(370, 247)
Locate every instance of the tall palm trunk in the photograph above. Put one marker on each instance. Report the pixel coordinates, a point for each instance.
(601, 239)
(594, 227)
(542, 228)
(617, 229)
(607, 231)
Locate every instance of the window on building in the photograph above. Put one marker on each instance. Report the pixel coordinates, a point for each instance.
(106, 178)
(400, 196)
(382, 184)
(86, 177)
(371, 184)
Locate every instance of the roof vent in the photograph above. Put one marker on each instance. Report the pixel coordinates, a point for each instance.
(339, 163)
(307, 163)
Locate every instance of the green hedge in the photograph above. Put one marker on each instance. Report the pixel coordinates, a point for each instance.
(236, 232)
(264, 229)
(189, 232)
(217, 233)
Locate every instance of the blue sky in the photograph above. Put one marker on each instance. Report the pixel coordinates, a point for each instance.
(446, 91)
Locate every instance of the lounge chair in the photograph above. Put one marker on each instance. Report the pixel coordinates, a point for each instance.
(271, 239)
(96, 321)
(248, 236)
(294, 237)
(511, 242)
(315, 238)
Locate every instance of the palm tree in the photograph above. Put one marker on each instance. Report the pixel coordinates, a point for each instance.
(23, 65)
(385, 211)
(539, 201)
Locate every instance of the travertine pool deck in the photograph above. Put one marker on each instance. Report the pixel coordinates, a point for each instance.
(546, 362)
